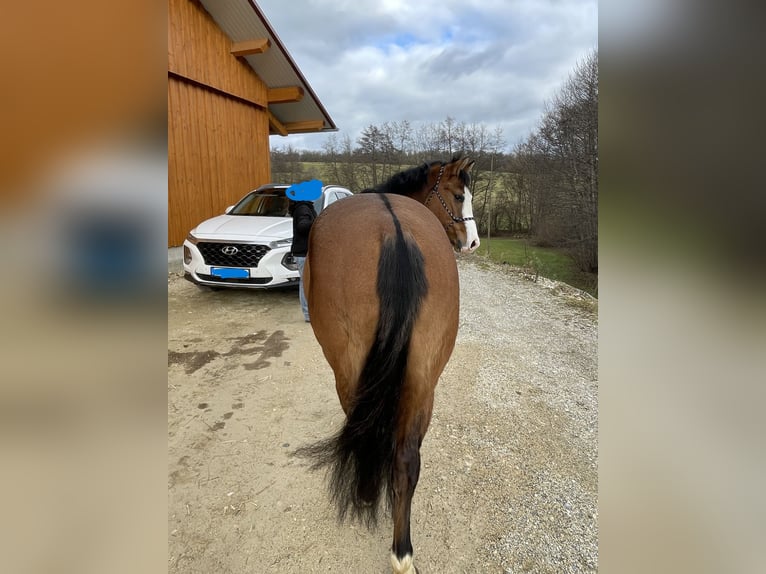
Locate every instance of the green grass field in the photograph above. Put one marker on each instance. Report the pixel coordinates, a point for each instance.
(547, 262)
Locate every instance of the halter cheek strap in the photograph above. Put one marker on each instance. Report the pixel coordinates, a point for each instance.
(435, 191)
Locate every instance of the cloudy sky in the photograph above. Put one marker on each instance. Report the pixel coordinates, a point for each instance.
(493, 62)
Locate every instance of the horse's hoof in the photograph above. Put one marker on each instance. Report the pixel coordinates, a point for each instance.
(405, 566)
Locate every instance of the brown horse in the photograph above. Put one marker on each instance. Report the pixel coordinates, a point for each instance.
(383, 294)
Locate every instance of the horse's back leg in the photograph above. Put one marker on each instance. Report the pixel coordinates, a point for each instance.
(406, 472)
(433, 338)
(413, 423)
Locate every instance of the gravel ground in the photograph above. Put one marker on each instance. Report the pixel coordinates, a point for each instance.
(509, 479)
(535, 348)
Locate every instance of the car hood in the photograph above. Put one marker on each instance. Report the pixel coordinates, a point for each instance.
(245, 228)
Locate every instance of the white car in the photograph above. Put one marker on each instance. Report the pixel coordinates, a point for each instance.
(249, 246)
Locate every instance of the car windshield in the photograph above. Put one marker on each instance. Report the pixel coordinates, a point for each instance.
(270, 203)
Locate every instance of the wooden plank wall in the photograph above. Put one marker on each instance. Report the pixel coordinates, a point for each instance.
(218, 150)
(200, 51)
(218, 145)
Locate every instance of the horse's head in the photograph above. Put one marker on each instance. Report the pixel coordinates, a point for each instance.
(449, 198)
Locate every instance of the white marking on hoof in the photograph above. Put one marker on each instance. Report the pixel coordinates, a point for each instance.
(406, 565)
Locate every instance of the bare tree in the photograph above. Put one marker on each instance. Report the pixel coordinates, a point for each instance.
(371, 151)
(448, 134)
(286, 165)
(349, 177)
(332, 158)
(484, 147)
(559, 167)
(426, 143)
(400, 136)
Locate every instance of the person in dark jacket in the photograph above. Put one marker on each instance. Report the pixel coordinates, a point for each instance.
(303, 214)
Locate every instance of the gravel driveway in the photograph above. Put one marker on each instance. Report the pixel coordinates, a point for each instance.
(509, 477)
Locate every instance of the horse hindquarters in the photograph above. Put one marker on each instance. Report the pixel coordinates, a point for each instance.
(384, 303)
(361, 455)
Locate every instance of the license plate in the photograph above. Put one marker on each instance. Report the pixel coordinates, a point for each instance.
(229, 272)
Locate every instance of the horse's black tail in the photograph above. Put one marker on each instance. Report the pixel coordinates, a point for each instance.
(360, 456)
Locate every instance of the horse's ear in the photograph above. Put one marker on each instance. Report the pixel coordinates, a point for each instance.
(466, 164)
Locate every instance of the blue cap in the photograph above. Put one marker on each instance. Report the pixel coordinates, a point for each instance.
(305, 191)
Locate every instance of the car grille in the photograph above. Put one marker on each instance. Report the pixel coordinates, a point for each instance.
(247, 255)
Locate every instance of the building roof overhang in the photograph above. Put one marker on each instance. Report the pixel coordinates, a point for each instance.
(293, 107)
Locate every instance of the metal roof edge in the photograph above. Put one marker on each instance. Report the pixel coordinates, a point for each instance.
(293, 65)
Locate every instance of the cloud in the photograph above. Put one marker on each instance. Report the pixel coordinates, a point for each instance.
(492, 62)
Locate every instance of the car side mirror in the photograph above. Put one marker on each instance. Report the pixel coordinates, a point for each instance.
(228, 209)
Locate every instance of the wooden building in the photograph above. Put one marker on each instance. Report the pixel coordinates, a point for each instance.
(231, 84)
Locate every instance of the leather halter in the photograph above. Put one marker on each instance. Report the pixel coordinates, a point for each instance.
(435, 191)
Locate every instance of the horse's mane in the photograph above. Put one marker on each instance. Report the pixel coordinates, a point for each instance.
(405, 182)
(410, 181)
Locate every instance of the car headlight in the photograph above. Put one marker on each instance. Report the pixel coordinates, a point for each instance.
(191, 239)
(281, 243)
